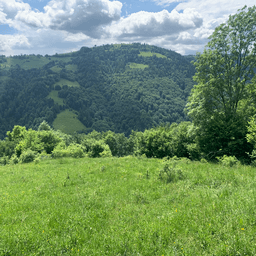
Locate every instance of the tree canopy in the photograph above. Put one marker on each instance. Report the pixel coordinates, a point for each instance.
(221, 103)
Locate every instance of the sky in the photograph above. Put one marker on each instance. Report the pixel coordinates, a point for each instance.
(61, 26)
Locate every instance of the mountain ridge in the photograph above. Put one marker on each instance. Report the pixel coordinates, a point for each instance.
(111, 87)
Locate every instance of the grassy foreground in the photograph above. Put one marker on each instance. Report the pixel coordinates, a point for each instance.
(119, 206)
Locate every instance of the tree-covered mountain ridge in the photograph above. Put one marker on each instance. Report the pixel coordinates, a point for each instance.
(111, 87)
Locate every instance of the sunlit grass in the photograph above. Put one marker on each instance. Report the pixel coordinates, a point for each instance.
(137, 66)
(67, 122)
(67, 82)
(71, 67)
(150, 54)
(77, 207)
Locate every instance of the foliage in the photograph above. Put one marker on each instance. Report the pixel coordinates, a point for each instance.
(251, 135)
(27, 156)
(118, 144)
(4, 160)
(96, 148)
(73, 150)
(228, 160)
(162, 141)
(14, 159)
(44, 126)
(49, 140)
(220, 103)
(7, 148)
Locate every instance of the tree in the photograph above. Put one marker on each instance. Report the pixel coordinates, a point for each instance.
(220, 103)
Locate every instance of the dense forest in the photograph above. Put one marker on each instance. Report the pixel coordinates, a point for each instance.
(112, 87)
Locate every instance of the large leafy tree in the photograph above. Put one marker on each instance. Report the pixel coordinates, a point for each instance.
(221, 102)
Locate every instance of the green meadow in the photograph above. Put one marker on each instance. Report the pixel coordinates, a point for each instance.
(127, 206)
(54, 95)
(63, 82)
(151, 54)
(67, 122)
(137, 66)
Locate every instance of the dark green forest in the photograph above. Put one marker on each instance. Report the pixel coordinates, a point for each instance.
(112, 87)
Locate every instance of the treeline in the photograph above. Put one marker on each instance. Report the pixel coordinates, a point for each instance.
(175, 140)
(22, 145)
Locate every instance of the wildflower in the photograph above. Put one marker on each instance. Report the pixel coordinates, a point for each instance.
(242, 228)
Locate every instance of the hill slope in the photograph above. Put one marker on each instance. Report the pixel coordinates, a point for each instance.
(111, 87)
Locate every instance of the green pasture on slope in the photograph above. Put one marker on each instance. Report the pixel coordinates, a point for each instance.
(137, 66)
(71, 67)
(121, 206)
(67, 122)
(63, 82)
(151, 54)
(54, 95)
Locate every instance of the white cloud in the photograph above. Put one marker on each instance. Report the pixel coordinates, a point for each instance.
(10, 42)
(166, 2)
(66, 25)
(143, 25)
(75, 16)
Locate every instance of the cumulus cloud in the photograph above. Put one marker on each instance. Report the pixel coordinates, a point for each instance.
(66, 25)
(74, 16)
(8, 42)
(143, 25)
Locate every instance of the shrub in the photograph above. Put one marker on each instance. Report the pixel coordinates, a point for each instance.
(193, 151)
(228, 160)
(73, 150)
(118, 144)
(28, 156)
(96, 148)
(170, 173)
(76, 150)
(4, 160)
(14, 159)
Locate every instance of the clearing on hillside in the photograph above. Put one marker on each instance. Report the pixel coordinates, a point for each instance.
(150, 54)
(68, 122)
(63, 82)
(137, 66)
(54, 95)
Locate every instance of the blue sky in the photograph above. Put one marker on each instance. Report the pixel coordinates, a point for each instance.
(58, 26)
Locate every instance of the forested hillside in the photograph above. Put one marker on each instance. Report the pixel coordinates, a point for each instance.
(112, 87)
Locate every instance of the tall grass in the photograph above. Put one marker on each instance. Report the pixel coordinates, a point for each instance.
(123, 206)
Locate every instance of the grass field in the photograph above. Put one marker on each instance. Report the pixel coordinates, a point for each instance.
(67, 122)
(67, 82)
(36, 62)
(120, 206)
(137, 66)
(54, 95)
(71, 67)
(150, 54)
(32, 62)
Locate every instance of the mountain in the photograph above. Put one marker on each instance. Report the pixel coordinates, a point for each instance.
(112, 87)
